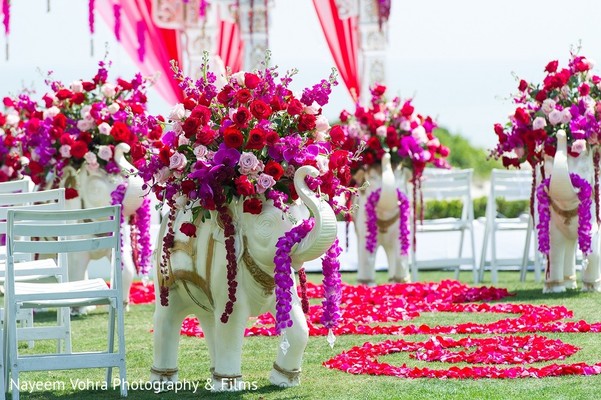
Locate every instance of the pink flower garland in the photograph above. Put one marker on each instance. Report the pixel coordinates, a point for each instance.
(302, 281)
(140, 28)
(144, 245)
(283, 277)
(371, 239)
(331, 286)
(91, 16)
(584, 214)
(232, 268)
(117, 197)
(6, 17)
(117, 14)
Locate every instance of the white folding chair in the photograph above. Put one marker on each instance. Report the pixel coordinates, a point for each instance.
(28, 269)
(73, 231)
(438, 184)
(509, 185)
(18, 186)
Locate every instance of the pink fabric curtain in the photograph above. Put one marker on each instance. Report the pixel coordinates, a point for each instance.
(230, 46)
(341, 35)
(161, 45)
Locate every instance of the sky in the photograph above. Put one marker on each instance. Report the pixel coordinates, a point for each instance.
(456, 59)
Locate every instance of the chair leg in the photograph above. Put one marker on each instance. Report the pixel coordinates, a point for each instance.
(493, 257)
(121, 333)
(482, 265)
(526, 255)
(473, 243)
(111, 341)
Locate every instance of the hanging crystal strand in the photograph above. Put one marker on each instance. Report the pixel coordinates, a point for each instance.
(331, 338)
(145, 280)
(48, 6)
(6, 48)
(285, 344)
(584, 263)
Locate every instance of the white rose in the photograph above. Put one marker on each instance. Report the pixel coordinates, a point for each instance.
(177, 161)
(85, 111)
(419, 133)
(12, 120)
(381, 131)
(108, 90)
(379, 116)
(105, 152)
(178, 112)
(113, 108)
(182, 140)
(51, 112)
(539, 123)
(548, 106)
(77, 86)
(555, 117)
(91, 158)
(65, 151)
(181, 201)
(313, 109)
(321, 123)
(566, 116)
(200, 151)
(322, 163)
(85, 124)
(238, 77)
(104, 128)
(579, 146)
(162, 175)
(405, 125)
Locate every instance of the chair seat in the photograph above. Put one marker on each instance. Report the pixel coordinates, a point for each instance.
(442, 225)
(25, 289)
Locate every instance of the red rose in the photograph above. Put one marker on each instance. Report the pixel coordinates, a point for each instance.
(188, 229)
(253, 206)
(63, 94)
(188, 185)
(165, 154)
(344, 116)
(125, 85)
(251, 81)
(241, 117)
(274, 169)
(120, 132)
(584, 89)
(244, 187)
(338, 159)
(392, 139)
(374, 143)
(78, 98)
(79, 149)
(444, 151)
(295, 107)
(522, 116)
(8, 102)
(306, 122)
(552, 66)
(337, 135)
(232, 137)
(71, 193)
(206, 136)
(86, 137)
(59, 121)
(243, 96)
(189, 103)
(137, 151)
(523, 85)
(88, 86)
(581, 65)
(272, 137)
(203, 114)
(256, 139)
(407, 109)
(277, 104)
(190, 126)
(500, 133)
(226, 95)
(378, 90)
(260, 109)
(541, 95)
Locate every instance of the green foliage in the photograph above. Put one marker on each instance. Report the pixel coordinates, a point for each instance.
(452, 208)
(464, 155)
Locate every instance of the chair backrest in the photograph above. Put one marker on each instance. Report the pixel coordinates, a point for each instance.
(44, 200)
(66, 231)
(510, 184)
(441, 184)
(18, 186)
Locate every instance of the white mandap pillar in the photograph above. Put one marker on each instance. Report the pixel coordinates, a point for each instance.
(253, 18)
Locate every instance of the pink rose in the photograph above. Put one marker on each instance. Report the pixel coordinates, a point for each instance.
(177, 161)
(264, 182)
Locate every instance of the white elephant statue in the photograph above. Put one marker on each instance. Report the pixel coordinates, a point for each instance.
(95, 188)
(197, 282)
(563, 228)
(387, 182)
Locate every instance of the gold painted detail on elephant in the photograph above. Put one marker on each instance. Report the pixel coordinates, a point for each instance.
(265, 280)
(290, 374)
(384, 224)
(567, 215)
(164, 372)
(192, 277)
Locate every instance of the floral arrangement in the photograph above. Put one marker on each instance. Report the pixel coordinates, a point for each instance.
(11, 162)
(394, 127)
(567, 99)
(80, 125)
(244, 142)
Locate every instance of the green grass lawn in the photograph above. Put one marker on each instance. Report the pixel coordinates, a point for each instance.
(319, 382)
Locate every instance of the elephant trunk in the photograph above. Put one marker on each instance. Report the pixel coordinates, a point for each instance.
(321, 237)
(560, 186)
(120, 150)
(388, 196)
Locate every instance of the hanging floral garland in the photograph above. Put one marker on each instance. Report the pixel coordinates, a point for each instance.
(140, 238)
(584, 214)
(371, 239)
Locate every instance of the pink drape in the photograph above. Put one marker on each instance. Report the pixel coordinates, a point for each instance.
(341, 35)
(162, 45)
(230, 46)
